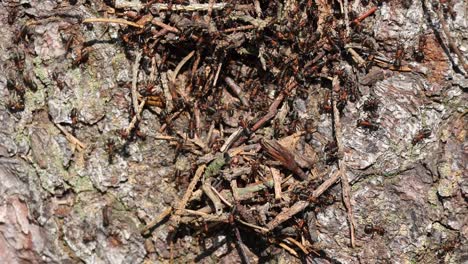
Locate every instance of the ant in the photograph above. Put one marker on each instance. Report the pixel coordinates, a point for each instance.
(110, 149)
(326, 106)
(374, 229)
(59, 80)
(17, 106)
(19, 89)
(367, 124)
(106, 215)
(28, 81)
(18, 59)
(422, 134)
(82, 56)
(419, 52)
(74, 116)
(140, 134)
(399, 54)
(310, 128)
(371, 105)
(331, 151)
(22, 35)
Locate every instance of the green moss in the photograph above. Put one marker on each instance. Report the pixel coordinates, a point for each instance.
(40, 71)
(81, 184)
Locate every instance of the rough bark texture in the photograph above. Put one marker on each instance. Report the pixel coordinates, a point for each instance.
(62, 203)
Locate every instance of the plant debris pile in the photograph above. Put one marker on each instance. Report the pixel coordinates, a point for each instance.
(239, 87)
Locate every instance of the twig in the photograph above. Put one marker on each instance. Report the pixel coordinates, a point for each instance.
(364, 16)
(262, 229)
(182, 203)
(136, 117)
(72, 139)
(136, 65)
(205, 216)
(325, 185)
(287, 214)
(273, 108)
(247, 27)
(301, 205)
(346, 16)
(191, 7)
(156, 220)
(277, 182)
(217, 74)
(299, 245)
(207, 189)
(175, 115)
(136, 5)
(231, 139)
(357, 58)
(180, 65)
(346, 189)
(164, 26)
(221, 197)
(290, 250)
(112, 20)
(250, 190)
(237, 90)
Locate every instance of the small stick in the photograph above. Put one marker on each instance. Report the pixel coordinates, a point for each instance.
(210, 134)
(357, 58)
(164, 26)
(290, 250)
(124, 4)
(136, 117)
(247, 27)
(191, 7)
(156, 220)
(326, 184)
(237, 90)
(346, 16)
(252, 225)
(273, 108)
(181, 204)
(207, 189)
(287, 214)
(299, 245)
(162, 137)
(205, 216)
(301, 205)
(175, 115)
(365, 15)
(346, 189)
(221, 197)
(160, 33)
(277, 182)
(72, 139)
(136, 65)
(112, 20)
(180, 65)
(196, 113)
(217, 74)
(231, 139)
